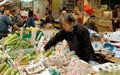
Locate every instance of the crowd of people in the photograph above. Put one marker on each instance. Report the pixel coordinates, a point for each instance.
(11, 18)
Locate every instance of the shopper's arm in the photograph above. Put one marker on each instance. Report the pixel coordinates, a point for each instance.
(16, 27)
(8, 21)
(58, 37)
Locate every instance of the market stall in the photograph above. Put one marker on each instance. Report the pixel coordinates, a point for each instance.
(22, 56)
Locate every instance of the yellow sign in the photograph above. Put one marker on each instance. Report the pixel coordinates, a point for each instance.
(55, 4)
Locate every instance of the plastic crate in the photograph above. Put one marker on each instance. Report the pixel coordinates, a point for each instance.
(29, 35)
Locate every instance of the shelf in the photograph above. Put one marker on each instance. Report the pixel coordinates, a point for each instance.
(69, 5)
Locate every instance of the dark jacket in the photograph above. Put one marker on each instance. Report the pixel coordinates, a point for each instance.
(30, 22)
(4, 23)
(17, 19)
(78, 41)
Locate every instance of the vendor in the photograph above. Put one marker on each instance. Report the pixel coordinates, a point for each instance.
(5, 22)
(77, 37)
(116, 17)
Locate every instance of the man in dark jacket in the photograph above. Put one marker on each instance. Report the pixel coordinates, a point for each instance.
(77, 37)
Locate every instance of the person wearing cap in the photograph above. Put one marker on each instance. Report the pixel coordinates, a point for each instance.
(5, 22)
(16, 18)
(77, 37)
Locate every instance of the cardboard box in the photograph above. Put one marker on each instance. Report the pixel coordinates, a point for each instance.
(104, 25)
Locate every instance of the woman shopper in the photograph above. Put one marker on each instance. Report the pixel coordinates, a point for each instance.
(77, 37)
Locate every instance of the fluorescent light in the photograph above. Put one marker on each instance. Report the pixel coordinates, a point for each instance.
(26, 0)
(1, 3)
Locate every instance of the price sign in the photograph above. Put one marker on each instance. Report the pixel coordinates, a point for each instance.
(40, 42)
(21, 32)
(59, 49)
(3, 45)
(39, 35)
(82, 68)
(33, 36)
(77, 67)
(19, 58)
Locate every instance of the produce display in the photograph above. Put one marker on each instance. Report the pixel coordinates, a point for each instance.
(108, 69)
(22, 44)
(17, 43)
(5, 69)
(28, 57)
(3, 57)
(51, 51)
(28, 30)
(56, 61)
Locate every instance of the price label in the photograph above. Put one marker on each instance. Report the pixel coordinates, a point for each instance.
(77, 67)
(40, 42)
(84, 69)
(3, 45)
(59, 49)
(19, 58)
(33, 36)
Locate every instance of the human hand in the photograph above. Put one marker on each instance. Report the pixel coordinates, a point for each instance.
(43, 51)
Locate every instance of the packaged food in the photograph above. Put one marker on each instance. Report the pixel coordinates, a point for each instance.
(35, 68)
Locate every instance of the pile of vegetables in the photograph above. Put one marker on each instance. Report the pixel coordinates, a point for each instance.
(28, 55)
(21, 44)
(28, 30)
(16, 43)
(5, 69)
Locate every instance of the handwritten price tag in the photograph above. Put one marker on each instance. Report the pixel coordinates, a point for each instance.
(21, 32)
(19, 58)
(33, 37)
(59, 50)
(77, 67)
